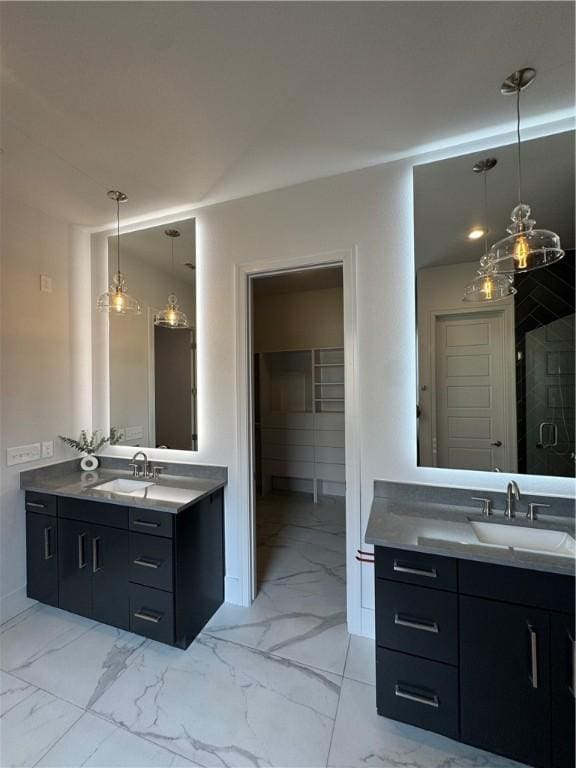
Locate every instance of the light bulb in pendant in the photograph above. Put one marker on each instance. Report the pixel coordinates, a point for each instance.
(118, 302)
(521, 252)
(488, 288)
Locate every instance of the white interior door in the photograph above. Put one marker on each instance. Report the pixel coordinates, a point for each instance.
(472, 431)
(550, 399)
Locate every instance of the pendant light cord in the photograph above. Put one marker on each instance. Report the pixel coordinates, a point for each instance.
(118, 233)
(519, 145)
(485, 174)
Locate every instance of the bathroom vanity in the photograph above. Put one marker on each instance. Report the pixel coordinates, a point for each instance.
(473, 640)
(150, 560)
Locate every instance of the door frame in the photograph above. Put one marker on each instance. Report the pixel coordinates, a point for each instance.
(347, 258)
(509, 375)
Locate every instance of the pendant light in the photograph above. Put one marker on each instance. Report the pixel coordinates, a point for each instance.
(171, 316)
(488, 286)
(525, 248)
(117, 300)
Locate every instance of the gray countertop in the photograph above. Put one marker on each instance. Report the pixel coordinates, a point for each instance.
(167, 494)
(441, 529)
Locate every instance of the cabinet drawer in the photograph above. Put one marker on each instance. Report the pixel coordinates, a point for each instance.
(149, 521)
(151, 561)
(416, 568)
(551, 591)
(417, 691)
(152, 613)
(415, 620)
(112, 515)
(40, 502)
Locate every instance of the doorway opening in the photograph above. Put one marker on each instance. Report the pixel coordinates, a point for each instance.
(298, 424)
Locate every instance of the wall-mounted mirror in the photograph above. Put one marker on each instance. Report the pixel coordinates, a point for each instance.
(495, 378)
(152, 366)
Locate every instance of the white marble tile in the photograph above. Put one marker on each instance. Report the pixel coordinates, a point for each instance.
(12, 691)
(361, 660)
(362, 737)
(220, 704)
(99, 743)
(79, 668)
(32, 727)
(27, 637)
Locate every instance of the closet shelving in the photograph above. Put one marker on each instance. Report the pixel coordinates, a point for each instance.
(302, 420)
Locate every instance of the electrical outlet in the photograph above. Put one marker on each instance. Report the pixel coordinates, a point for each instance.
(21, 454)
(46, 283)
(48, 449)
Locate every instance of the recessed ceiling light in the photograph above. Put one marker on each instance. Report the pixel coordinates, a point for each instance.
(476, 233)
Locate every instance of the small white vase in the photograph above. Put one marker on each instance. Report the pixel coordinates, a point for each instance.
(89, 463)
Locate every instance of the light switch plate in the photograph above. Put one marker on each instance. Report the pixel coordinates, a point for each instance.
(46, 283)
(21, 454)
(47, 449)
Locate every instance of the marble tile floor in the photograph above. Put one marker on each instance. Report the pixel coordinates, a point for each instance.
(278, 684)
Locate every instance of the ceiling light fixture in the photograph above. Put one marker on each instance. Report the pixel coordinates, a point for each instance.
(476, 233)
(117, 300)
(171, 316)
(488, 286)
(525, 248)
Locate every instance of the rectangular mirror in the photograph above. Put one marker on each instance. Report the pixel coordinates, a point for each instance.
(152, 366)
(495, 378)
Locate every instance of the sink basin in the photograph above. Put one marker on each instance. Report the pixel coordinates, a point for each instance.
(127, 487)
(557, 543)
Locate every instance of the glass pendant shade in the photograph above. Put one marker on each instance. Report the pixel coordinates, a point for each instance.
(171, 316)
(488, 287)
(526, 248)
(117, 300)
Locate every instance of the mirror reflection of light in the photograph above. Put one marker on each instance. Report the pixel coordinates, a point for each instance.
(476, 233)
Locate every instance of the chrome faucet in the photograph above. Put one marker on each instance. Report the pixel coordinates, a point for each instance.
(512, 491)
(135, 466)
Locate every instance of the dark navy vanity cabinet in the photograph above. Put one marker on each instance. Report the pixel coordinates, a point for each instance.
(156, 573)
(479, 652)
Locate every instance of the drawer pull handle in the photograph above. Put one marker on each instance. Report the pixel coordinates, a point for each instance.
(533, 656)
(147, 563)
(95, 548)
(431, 573)
(35, 505)
(48, 554)
(146, 524)
(404, 621)
(81, 555)
(429, 701)
(148, 616)
(572, 683)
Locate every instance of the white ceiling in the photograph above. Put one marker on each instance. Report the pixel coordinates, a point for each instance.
(152, 245)
(188, 102)
(449, 198)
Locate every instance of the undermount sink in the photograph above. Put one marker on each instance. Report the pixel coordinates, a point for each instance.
(126, 487)
(550, 542)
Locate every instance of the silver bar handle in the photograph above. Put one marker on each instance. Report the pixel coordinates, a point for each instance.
(554, 434)
(533, 656)
(81, 553)
(431, 573)
(146, 562)
(145, 616)
(146, 524)
(35, 504)
(95, 566)
(48, 554)
(429, 701)
(572, 683)
(404, 621)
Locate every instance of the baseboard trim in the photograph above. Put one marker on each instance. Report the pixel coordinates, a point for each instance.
(232, 590)
(14, 603)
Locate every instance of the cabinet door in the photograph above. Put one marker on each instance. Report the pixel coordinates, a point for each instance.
(75, 580)
(109, 567)
(563, 690)
(505, 679)
(42, 558)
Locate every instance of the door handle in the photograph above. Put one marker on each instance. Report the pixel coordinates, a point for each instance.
(35, 505)
(429, 701)
(497, 444)
(554, 435)
(572, 674)
(146, 524)
(146, 562)
(425, 626)
(533, 656)
(48, 553)
(81, 553)
(148, 616)
(95, 554)
(431, 573)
